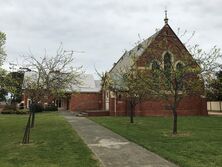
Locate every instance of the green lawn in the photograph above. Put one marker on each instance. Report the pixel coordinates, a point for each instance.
(199, 143)
(53, 143)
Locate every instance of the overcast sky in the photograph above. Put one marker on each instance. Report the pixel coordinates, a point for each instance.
(103, 29)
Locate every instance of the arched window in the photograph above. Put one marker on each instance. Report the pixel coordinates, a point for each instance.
(155, 73)
(167, 65)
(179, 66)
(179, 70)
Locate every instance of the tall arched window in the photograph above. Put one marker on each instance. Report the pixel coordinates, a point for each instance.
(155, 73)
(180, 74)
(167, 65)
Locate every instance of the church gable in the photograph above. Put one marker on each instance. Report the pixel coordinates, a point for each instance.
(166, 41)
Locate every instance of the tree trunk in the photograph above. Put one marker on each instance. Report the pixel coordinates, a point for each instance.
(132, 108)
(33, 119)
(32, 109)
(27, 131)
(174, 121)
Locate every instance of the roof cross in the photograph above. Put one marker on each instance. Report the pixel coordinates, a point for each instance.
(166, 19)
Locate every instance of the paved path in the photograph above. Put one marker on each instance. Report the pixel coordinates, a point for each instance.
(111, 149)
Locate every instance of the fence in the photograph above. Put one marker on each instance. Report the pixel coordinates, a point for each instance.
(214, 106)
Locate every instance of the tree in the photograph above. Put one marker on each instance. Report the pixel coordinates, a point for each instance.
(172, 82)
(106, 85)
(128, 83)
(49, 77)
(13, 86)
(2, 49)
(3, 73)
(214, 87)
(5, 78)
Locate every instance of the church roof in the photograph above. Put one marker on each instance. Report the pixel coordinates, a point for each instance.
(88, 84)
(126, 60)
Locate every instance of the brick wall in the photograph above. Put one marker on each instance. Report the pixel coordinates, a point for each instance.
(86, 101)
(121, 107)
(192, 105)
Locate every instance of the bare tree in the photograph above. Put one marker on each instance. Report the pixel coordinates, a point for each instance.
(49, 77)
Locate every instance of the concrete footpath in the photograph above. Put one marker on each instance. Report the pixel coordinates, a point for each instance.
(110, 148)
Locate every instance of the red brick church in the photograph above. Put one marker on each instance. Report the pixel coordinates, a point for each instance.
(92, 98)
(145, 52)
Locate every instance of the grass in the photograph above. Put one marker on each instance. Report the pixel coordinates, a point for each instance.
(198, 143)
(53, 143)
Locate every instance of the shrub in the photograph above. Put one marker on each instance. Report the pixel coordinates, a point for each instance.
(23, 111)
(51, 108)
(36, 107)
(9, 109)
(8, 112)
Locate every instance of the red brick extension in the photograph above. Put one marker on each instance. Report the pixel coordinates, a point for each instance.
(189, 106)
(86, 101)
(92, 102)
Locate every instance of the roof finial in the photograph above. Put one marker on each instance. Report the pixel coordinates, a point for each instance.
(166, 19)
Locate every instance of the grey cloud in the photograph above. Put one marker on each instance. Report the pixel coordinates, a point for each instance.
(103, 29)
